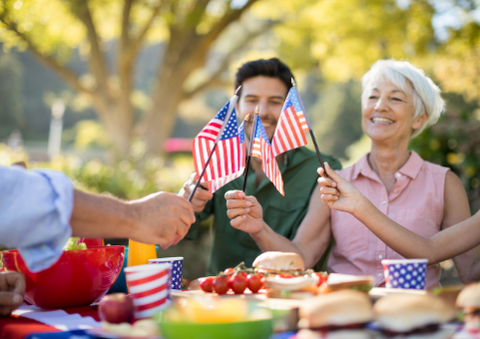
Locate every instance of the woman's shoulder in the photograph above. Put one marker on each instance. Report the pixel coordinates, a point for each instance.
(435, 169)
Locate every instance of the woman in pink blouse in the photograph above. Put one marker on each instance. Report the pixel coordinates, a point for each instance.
(398, 102)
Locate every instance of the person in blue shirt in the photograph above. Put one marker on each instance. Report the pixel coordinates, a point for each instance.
(40, 210)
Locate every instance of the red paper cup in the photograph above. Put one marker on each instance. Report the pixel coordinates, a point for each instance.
(149, 285)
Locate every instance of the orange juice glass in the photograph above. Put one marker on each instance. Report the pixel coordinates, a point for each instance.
(139, 253)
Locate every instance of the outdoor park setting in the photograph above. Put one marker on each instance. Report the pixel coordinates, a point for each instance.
(113, 94)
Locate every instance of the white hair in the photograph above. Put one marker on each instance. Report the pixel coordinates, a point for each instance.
(426, 95)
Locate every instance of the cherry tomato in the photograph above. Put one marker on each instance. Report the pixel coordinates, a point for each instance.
(185, 284)
(230, 278)
(207, 284)
(322, 277)
(255, 282)
(228, 271)
(220, 285)
(238, 282)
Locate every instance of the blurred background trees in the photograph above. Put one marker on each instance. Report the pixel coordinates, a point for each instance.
(135, 73)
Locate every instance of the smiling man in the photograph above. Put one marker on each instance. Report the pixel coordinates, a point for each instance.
(264, 83)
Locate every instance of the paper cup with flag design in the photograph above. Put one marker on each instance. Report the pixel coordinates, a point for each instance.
(150, 287)
(405, 273)
(177, 270)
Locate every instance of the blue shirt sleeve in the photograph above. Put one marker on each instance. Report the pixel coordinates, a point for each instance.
(35, 211)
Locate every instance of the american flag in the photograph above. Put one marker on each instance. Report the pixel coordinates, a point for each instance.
(292, 125)
(228, 159)
(262, 149)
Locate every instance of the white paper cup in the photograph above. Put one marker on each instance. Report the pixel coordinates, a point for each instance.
(405, 273)
(150, 288)
(177, 270)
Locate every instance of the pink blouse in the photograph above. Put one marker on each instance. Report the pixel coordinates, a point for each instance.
(416, 202)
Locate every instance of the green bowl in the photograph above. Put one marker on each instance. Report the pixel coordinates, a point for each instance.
(254, 329)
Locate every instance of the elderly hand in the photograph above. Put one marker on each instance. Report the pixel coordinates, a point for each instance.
(201, 197)
(338, 193)
(162, 218)
(12, 289)
(245, 213)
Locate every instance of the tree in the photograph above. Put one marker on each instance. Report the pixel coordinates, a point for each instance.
(51, 29)
(11, 109)
(335, 42)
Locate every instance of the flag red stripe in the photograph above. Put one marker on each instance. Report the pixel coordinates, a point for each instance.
(150, 292)
(151, 305)
(147, 279)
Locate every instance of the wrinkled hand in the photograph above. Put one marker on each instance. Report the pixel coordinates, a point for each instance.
(201, 197)
(162, 218)
(245, 213)
(12, 289)
(338, 193)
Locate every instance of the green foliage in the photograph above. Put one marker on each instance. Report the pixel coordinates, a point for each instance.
(457, 63)
(129, 179)
(345, 37)
(454, 142)
(11, 108)
(337, 117)
(90, 133)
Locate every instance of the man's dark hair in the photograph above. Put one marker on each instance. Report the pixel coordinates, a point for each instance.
(272, 68)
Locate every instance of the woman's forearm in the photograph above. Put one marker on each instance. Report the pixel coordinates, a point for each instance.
(269, 240)
(443, 245)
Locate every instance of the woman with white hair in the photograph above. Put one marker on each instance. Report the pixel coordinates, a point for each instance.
(398, 102)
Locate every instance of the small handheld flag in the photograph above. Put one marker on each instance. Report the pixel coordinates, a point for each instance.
(291, 126)
(309, 127)
(217, 153)
(263, 150)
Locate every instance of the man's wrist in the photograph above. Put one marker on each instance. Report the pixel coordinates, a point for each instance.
(259, 234)
(131, 219)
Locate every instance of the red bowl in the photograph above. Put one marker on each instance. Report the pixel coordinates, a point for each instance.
(78, 278)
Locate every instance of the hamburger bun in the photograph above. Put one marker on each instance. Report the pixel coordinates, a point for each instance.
(337, 334)
(279, 261)
(340, 308)
(469, 300)
(337, 282)
(469, 297)
(404, 313)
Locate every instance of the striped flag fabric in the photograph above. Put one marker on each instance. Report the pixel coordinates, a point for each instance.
(262, 149)
(150, 288)
(291, 126)
(228, 159)
(216, 184)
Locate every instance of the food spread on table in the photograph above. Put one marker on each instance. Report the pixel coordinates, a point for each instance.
(277, 293)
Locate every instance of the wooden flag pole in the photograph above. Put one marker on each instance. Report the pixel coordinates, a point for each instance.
(231, 107)
(309, 127)
(249, 156)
